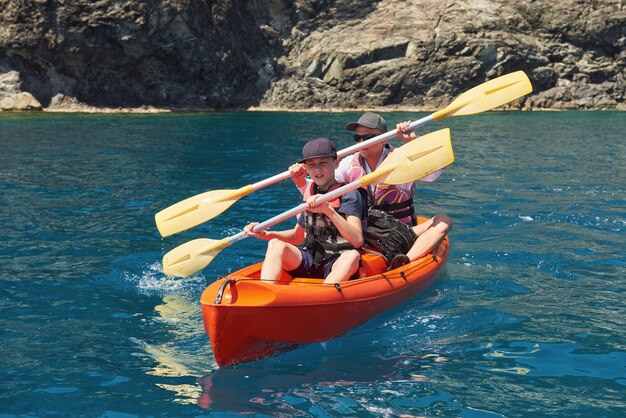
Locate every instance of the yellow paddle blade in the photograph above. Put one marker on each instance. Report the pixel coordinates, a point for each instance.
(192, 256)
(488, 95)
(417, 158)
(197, 209)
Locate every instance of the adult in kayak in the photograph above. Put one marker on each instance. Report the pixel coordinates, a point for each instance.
(399, 244)
(331, 233)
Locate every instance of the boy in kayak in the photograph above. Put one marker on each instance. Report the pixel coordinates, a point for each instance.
(331, 233)
(396, 200)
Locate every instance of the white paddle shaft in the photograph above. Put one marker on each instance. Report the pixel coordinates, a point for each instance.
(300, 208)
(344, 152)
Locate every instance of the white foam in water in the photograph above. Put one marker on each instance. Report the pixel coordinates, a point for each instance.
(526, 218)
(154, 282)
(466, 262)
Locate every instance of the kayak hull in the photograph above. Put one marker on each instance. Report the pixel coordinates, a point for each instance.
(247, 319)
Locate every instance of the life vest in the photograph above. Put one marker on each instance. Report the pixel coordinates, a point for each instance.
(323, 239)
(390, 198)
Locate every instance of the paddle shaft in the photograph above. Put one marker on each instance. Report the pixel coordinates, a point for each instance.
(485, 96)
(363, 181)
(344, 152)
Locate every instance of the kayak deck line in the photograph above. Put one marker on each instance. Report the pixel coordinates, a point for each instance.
(320, 282)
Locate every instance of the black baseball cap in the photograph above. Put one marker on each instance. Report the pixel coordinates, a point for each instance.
(318, 148)
(369, 120)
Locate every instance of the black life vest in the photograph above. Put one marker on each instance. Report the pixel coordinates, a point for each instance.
(323, 239)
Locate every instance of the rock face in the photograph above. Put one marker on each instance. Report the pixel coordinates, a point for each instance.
(304, 54)
(169, 53)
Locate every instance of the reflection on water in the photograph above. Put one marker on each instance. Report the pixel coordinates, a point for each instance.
(558, 360)
(186, 353)
(337, 384)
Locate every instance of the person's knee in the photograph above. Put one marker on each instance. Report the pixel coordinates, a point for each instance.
(276, 247)
(443, 222)
(353, 257)
(349, 262)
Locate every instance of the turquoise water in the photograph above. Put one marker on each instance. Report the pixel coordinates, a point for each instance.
(527, 320)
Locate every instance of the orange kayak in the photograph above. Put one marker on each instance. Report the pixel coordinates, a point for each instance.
(247, 319)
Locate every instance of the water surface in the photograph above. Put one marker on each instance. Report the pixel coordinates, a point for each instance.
(527, 320)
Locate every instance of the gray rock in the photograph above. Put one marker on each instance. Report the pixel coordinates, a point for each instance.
(305, 54)
(423, 54)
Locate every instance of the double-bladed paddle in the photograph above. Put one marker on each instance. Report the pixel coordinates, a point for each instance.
(205, 206)
(410, 162)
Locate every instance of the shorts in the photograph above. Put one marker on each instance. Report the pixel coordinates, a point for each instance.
(310, 270)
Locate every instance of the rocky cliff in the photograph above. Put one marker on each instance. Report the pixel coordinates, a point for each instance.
(303, 54)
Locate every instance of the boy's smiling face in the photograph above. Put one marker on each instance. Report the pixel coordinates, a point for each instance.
(322, 171)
